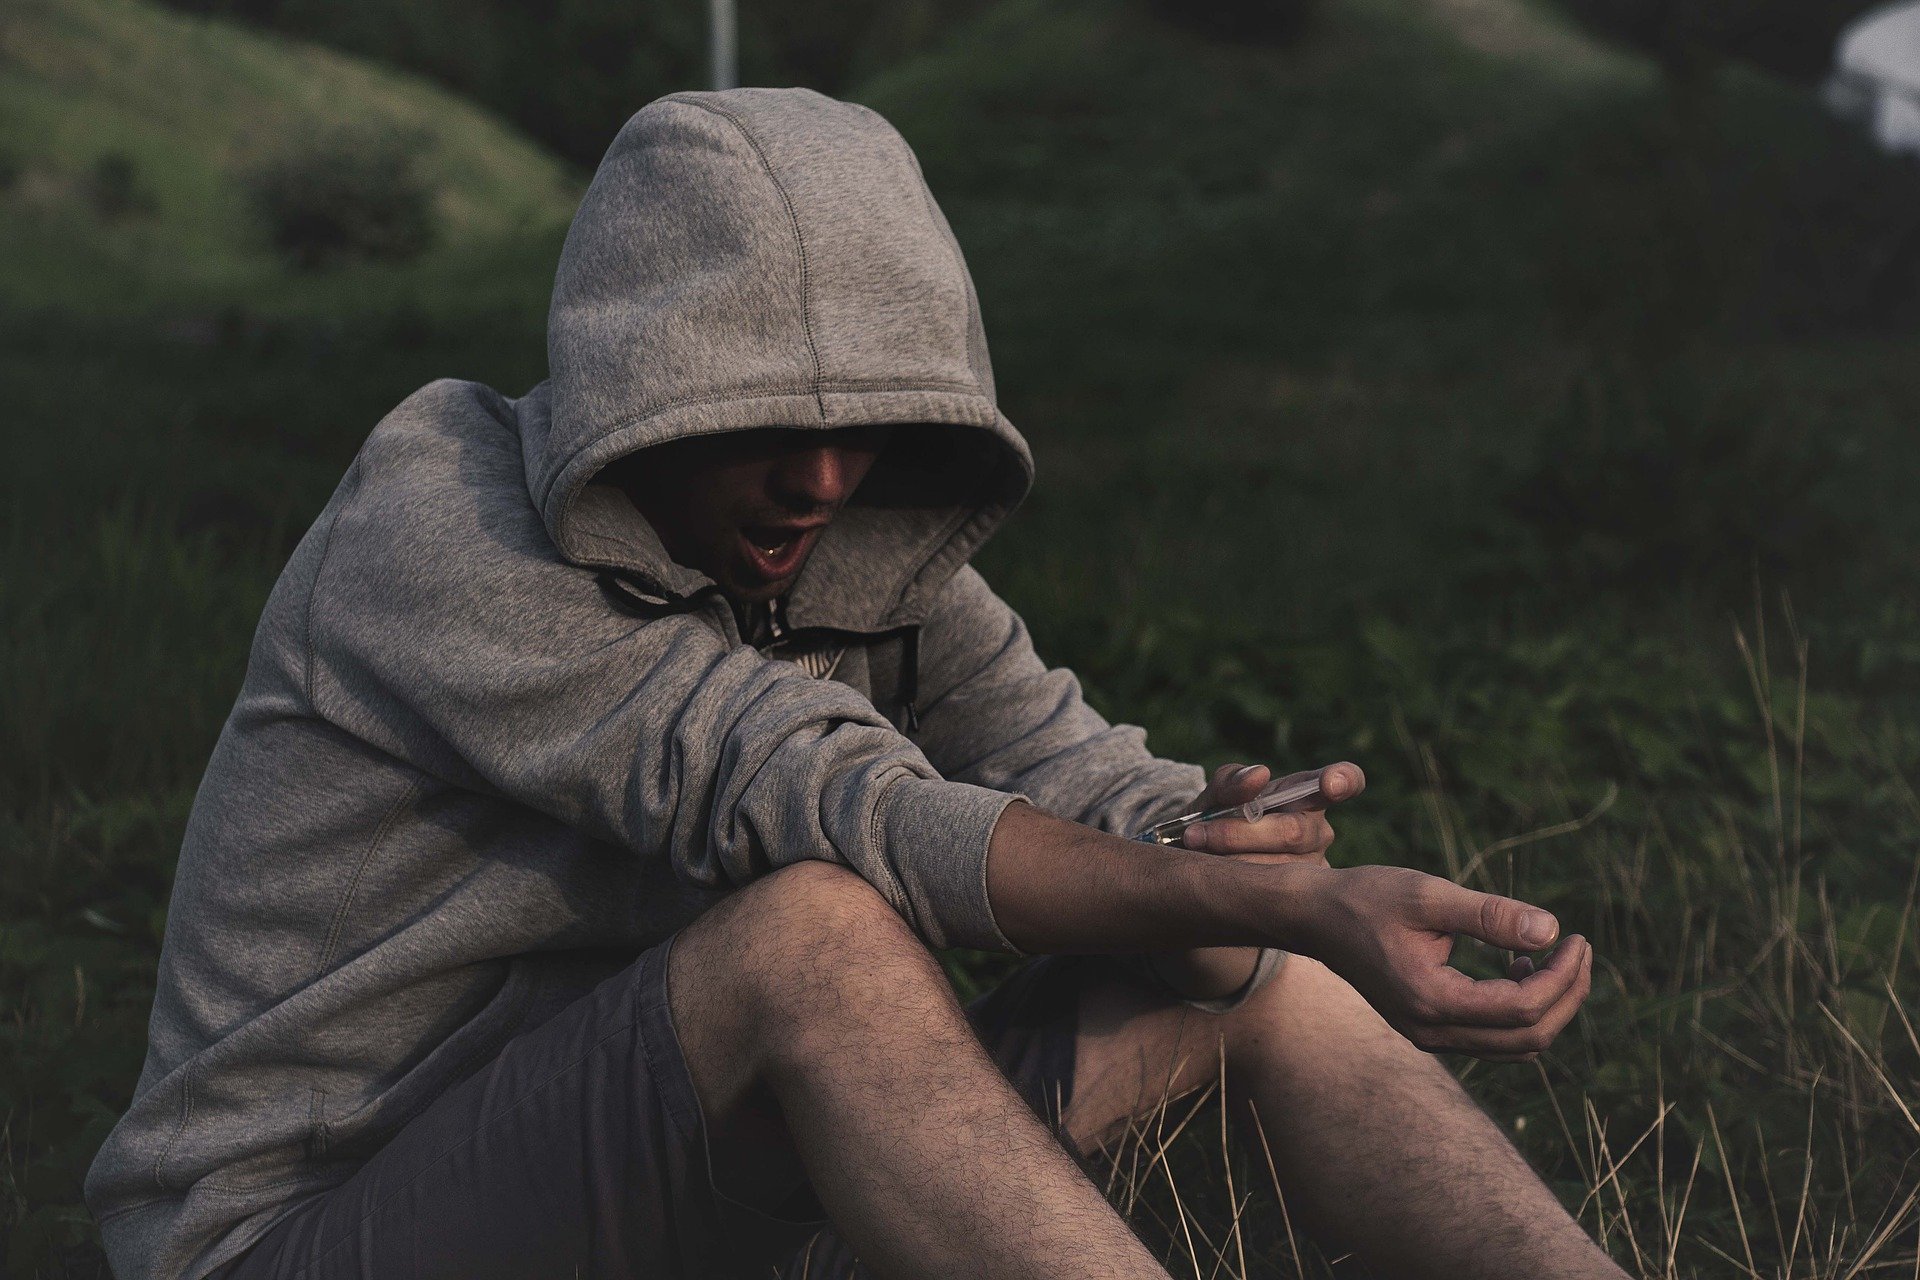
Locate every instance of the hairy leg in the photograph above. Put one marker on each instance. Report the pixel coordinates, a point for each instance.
(1378, 1149)
(820, 1035)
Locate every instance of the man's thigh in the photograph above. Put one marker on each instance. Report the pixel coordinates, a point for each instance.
(579, 1151)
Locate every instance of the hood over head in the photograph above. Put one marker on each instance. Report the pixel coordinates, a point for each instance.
(773, 258)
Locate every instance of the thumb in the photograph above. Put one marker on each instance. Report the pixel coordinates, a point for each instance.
(1501, 922)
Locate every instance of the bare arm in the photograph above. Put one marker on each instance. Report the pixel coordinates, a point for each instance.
(1301, 834)
(1056, 886)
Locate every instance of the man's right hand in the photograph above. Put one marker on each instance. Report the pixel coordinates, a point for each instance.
(1057, 886)
(1389, 931)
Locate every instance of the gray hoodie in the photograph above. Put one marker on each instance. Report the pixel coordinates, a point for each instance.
(493, 742)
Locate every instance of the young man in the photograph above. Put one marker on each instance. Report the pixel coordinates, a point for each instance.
(559, 895)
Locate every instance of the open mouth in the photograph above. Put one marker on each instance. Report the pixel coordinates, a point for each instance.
(770, 540)
(777, 551)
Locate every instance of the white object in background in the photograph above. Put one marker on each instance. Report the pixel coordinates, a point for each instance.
(723, 38)
(1876, 75)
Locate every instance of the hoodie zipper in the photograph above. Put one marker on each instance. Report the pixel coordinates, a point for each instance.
(906, 689)
(628, 599)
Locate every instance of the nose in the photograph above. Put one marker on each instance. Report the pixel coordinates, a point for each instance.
(811, 476)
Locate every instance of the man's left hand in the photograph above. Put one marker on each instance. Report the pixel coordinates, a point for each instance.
(1298, 833)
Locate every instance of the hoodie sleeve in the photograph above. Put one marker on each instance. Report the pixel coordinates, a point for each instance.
(998, 716)
(994, 714)
(444, 629)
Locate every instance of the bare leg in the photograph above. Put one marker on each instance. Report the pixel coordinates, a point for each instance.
(821, 1035)
(1377, 1147)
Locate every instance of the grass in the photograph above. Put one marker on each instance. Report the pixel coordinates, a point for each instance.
(1440, 399)
(1739, 1096)
(1440, 394)
(190, 103)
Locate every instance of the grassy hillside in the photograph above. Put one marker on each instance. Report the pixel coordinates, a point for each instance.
(1442, 392)
(1418, 265)
(189, 105)
(569, 71)
(1448, 394)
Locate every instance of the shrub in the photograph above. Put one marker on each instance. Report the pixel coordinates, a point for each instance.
(348, 195)
(114, 188)
(1239, 21)
(1700, 480)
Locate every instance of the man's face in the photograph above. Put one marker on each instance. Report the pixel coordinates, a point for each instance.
(746, 508)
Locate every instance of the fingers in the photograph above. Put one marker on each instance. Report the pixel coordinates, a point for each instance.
(1437, 1007)
(1502, 922)
(1339, 782)
(1234, 784)
(1302, 834)
(1282, 832)
(1451, 998)
(1522, 1043)
(1239, 783)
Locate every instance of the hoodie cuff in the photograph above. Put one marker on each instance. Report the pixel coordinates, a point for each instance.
(1170, 790)
(934, 834)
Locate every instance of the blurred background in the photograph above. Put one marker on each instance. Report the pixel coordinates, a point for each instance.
(1517, 397)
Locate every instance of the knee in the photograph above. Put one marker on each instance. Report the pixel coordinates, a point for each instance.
(1271, 1014)
(756, 983)
(1304, 1003)
(814, 911)
(803, 935)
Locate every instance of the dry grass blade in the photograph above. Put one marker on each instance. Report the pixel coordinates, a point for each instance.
(1279, 1193)
(1905, 1023)
(1544, 833)
(1680, 1214)
(1873, 1065)
(1238, 1201)
(1879, 1239)
(1566, 1130)
(1187, 1225)
(1717, 1251)
(1614, 1166)
(1806, 1181)
(1605, 1153)
(1165, 1143)
(1733, 1195)
(1760, 678)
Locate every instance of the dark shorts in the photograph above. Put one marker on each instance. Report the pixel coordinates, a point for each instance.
(581, 1152)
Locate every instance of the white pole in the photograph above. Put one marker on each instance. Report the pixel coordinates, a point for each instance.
(724, 39)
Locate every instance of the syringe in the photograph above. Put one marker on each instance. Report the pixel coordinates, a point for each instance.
(1277, 794)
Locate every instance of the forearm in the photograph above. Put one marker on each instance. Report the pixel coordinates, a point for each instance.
(1057, 886)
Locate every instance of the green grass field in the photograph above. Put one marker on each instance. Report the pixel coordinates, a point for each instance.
(1448, 393)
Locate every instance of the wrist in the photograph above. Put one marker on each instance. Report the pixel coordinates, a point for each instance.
(1231, 903)
(1283, 905)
